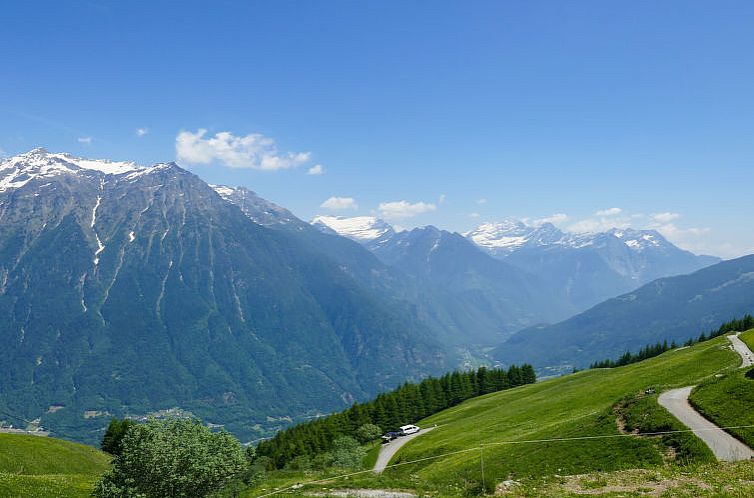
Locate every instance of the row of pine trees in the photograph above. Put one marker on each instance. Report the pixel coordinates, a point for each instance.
(738, 325)
(407, 404)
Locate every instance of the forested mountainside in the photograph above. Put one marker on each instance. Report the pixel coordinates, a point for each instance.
(127, 290)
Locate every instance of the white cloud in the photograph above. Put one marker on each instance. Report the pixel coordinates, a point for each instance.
(340, 203)
(317, 169)
(84, 140)
(441, 199)
(481, 201)
(140, 132)
(609, 212)
(474, 215)
(404, 209)
(253, 151)
(555, 219)
(665, 217)
(593, 225)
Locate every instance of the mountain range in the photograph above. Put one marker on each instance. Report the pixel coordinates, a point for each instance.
(560, 273)
(128, 290)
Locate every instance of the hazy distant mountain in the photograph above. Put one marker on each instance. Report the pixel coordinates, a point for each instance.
(586, 269)
(674, 308)
(469, 297)
(125, 290)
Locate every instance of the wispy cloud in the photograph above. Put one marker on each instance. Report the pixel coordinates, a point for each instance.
(609, 212)
(340, 203)
(317, 169)
(555, 219)
(140, 132)
(253, 151)
(481, 201)
(665, 217)
(84, 140)
(441, 199)
(404, 209)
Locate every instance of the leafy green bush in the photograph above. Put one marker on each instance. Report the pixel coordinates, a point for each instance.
(368, 432)
(178, 458)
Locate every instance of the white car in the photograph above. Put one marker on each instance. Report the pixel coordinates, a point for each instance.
(409, 429)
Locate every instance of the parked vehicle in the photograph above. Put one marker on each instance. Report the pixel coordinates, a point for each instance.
(409, 429)
(389, 436)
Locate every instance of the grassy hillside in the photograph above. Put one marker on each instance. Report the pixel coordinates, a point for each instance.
(748, 338)
(588, 403)
(32, 466)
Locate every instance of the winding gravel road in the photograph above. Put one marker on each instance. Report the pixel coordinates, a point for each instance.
(723, 445)
(388, 451)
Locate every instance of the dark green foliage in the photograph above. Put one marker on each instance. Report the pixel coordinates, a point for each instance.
(368, 432)
(745, 323)
(408, 403)
(750, 374)
(347, 453)
(113, 438)
(644, 353)
(179, 458)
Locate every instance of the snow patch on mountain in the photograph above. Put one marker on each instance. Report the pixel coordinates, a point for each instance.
(17, 171)
(359, 228)
(510, 235)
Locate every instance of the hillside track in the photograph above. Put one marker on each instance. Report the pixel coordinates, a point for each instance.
(388, 451)
(723, 445)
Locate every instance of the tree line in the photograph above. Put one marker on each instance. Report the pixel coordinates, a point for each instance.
(388, 411)
(736, 325)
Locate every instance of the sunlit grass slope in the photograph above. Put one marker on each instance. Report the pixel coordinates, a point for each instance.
(32, 467)
(571, 406)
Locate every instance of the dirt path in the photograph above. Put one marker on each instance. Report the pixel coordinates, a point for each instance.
(388, 451)
(723, 445)
(742, 349)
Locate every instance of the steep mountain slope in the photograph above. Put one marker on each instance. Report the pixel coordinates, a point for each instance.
(673, 308)
(586, 269)
(465, 289)
(141, 290)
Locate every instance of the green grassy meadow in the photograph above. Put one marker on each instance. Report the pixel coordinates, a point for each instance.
(40, 467)
(585, 404)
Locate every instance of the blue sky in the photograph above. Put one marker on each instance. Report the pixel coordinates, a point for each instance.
(443, 113)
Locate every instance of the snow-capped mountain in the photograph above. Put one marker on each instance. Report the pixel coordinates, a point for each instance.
(506, 237)
(362, 229)
(579, 269)
(587, 267)
(509, 235)
(38, 164)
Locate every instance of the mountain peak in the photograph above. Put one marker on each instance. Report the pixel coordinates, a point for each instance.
(17, 171)
(359, 228)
